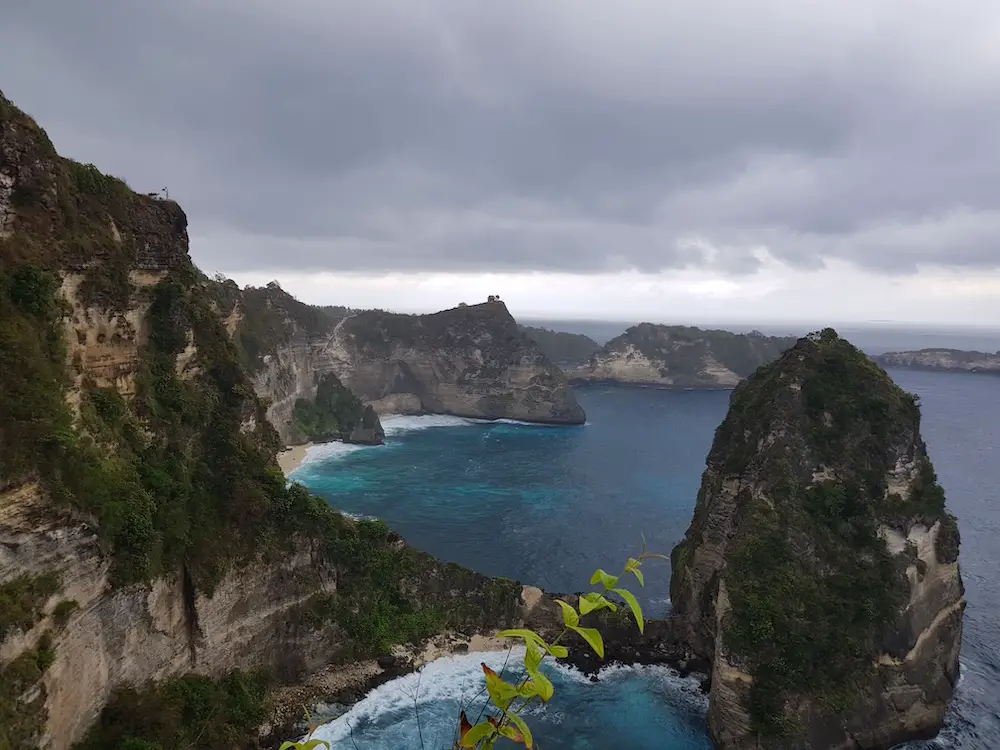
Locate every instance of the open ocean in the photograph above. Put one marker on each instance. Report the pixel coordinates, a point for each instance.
(548, 505)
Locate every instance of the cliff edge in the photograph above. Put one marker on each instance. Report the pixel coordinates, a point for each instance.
(680, 356)
(820, 572)
(470, 361)
(146, 530)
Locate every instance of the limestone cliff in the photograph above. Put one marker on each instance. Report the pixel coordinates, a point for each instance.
(470, 361)
(680, 356)
(145, 527)
(953, 360)
(820, 572)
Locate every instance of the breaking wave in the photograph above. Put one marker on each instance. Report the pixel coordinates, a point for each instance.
(388, 716)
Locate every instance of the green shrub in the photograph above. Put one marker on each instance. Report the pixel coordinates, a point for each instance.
(22, 696)
(63, 610)
(22, 600)
(182, 713)
(332, 414)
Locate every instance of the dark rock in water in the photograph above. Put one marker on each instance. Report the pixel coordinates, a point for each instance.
(819, 575)
(369, 430)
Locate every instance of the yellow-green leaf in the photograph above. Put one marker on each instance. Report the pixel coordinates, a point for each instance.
(593, 637)
(633, 604)
(632, 566)
(532, 656)
(477, 734)
(501, 692)
(542, 686)
(525, 732)
(605, 579)
(527, 635)
(594, 601)
(511, 733)
(570, 617)
(560, 652)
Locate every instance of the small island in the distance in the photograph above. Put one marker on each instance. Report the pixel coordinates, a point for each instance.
(949, 360)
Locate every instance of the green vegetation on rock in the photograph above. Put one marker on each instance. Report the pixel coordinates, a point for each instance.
(810, 580)
(562, 347)
(22, 600)
(389, 594)
(333, 414)
(175, 469)
(22, 696)
(270, 316)
(183, 713)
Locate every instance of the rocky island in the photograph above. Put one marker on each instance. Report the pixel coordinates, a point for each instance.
(820, 573)
(680, 356)
(951, 360)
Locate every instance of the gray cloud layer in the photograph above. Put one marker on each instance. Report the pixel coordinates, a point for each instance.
(569, 135)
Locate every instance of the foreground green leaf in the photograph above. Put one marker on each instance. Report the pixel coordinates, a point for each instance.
(633, 604)
(570, 616)
(604, 578)
(593, 638)
(525, 732)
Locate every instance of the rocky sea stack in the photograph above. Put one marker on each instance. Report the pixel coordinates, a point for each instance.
(820, 573)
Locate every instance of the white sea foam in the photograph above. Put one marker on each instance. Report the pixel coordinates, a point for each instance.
(330, 451)
(516, 422)
(395, 424)
(455, 681)
(358, 516)
(452, 679)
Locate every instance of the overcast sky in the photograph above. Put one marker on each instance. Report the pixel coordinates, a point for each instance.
(625, 159)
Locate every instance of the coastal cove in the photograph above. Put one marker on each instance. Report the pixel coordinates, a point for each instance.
(489, 495)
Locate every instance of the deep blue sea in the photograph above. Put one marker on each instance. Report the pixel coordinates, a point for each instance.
(548, 505)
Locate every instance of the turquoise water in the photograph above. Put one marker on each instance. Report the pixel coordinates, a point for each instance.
(546, 505)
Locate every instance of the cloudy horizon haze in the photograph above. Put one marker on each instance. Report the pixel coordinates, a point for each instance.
(642, 159)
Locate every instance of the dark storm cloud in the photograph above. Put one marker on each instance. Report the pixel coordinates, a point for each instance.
(447, 135)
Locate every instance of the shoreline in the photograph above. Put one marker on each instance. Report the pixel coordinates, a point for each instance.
(290, 457)
(334, 689)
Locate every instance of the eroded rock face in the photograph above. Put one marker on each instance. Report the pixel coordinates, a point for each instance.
(820, 572)
(681, 356)
(470, 361)
(139, 633)
(125, 384)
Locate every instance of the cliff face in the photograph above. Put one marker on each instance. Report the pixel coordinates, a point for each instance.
(470, 361)
(953, 360)
(681, 356)
(145, 527)
(820, 572)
